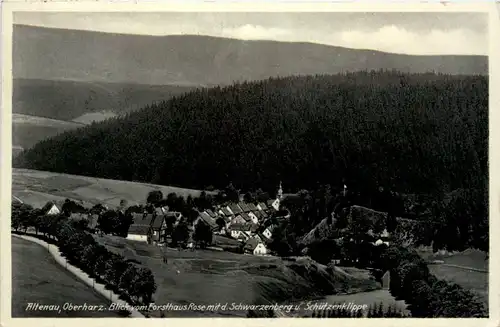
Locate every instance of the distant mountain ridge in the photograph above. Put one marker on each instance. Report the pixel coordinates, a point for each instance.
(68, 100)
(189, 60)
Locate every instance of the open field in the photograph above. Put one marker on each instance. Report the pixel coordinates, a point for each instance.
(37, 187)
(474, 281)
(37, 278)
(209, 277)
(28, 130)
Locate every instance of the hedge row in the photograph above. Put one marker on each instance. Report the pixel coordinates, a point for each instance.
(134, 283)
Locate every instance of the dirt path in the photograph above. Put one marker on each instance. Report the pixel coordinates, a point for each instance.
(100, 288)
(464, 267)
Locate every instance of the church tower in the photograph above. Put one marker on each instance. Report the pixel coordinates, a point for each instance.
(280, 192)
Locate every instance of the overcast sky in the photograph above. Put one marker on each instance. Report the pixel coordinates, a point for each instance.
(410, 33)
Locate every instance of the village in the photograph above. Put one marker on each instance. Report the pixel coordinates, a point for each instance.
(244, 227)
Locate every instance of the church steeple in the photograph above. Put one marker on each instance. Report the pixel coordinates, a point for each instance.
(280, 192)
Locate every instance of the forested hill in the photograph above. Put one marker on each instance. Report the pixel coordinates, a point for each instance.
(413, 133)
(193, 60)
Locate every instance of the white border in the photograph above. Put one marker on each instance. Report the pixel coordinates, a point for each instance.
(6, 142)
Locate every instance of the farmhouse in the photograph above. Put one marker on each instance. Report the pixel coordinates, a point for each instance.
(240, 231)
(255, 247)
(205, 217)
(51, 209)
(140, 230)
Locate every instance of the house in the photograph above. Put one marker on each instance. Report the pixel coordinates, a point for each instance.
(138, 233)
(246, 217)
(235, 208)
(255, 247)
(239, 230)
(226, 211)
(158, 229)
(253, 217)
(244, 207)
(274, 204)
(261, 215)
(262, 206)
(211, 213)
(205, 217)
(252, 207)
(237, 220)
(51, 209)
(268, 232)
(140, 230)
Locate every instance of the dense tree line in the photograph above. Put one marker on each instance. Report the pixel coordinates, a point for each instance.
(417, 133)
(374, 131)
(426, 295)
(135, 283)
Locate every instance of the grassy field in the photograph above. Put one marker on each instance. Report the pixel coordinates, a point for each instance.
(29, 130)
(474, 281)
(37, 187)
(37, 278)
(210, 277)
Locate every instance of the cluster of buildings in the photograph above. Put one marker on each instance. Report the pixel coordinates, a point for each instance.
(247, 223)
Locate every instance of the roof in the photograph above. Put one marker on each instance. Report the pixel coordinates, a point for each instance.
(160, 211)
(138, 229)
(263, 206)
(142, 220)
(252, 207)
(244, 207)
(245, 216)
(240, 227)
(264, 214)
(270, 202)
(207, 219)
(238, 220)
(235, 208)
(252, 243)
(226, 211)
(211, 213)
(158, 222)
(175, 214)
(258, 214)
(49, 206)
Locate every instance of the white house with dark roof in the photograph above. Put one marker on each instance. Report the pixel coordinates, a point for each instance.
(255, 247)
(51, 209)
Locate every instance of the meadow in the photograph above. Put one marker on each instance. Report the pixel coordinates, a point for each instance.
(475, 281)
(210, 277)
(28, 130)
(37, 278)
(37, 187)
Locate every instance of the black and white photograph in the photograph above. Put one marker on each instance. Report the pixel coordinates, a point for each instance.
(251, 164)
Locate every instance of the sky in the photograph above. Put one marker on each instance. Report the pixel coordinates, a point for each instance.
(408, 33)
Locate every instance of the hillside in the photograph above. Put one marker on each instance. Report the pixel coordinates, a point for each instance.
(208, 277)
(29, 130)
(36, 188)
(413, 133)
(68, 100)
(57, 54)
